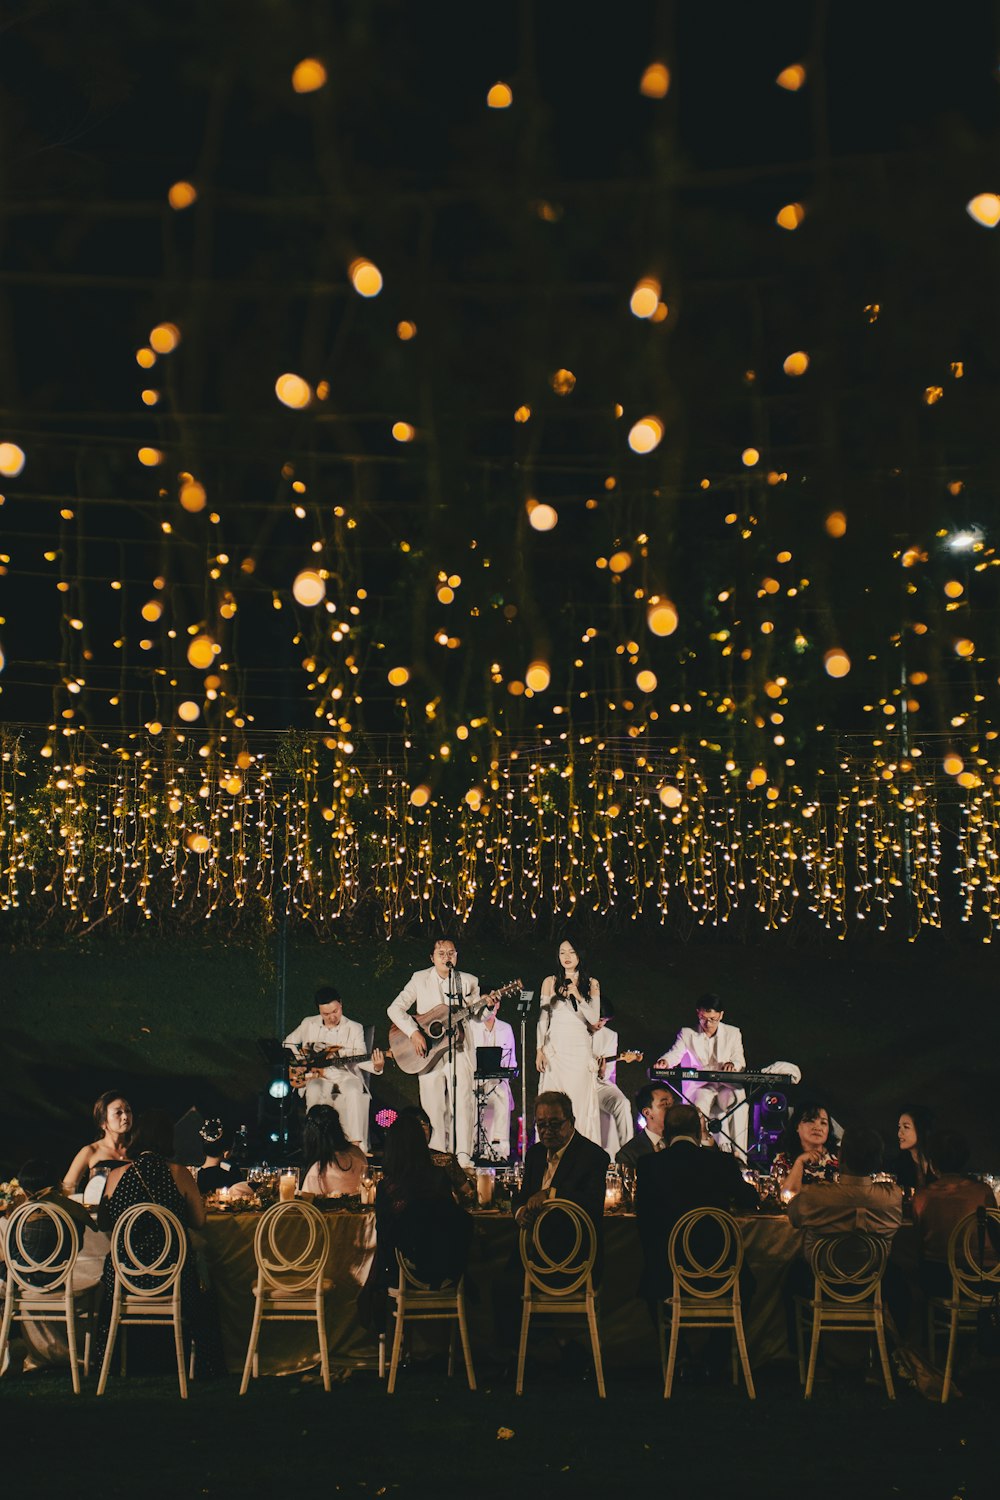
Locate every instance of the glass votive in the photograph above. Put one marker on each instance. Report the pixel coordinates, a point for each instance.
(288, 1184)
(613, 1191)
(485, 1183)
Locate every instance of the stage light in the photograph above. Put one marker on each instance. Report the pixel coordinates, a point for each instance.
(279, 1088)
(965, 540)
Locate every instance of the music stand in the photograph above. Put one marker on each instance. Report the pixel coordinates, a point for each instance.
(489, 1071)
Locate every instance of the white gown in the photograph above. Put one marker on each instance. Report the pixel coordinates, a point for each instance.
(570, 1065)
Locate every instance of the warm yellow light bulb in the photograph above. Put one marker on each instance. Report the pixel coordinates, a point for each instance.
(645, 681)
(399, 676)
(202, 652)
(192, 496)
(985, 209)
(188, 711)
(645, 297)
(797, 363)
(835, 524)
(182, 195)
(150, 457)
(308, 76)
(500, 96)
(292, 390)
(151, 610)
(366, 278)
(953, 764)
(670, 796)
(308, 588)
(750, 456)
(791, 78)
(661, 617)
(562, 382)
(538, 676)
(836, 662)
(620, 562)
(165, 337)
(646, 434)
(12, 460)
(542, 517)
(403, 432)
(198, 843)
(791, 216)
(655, 81)
(421, 795)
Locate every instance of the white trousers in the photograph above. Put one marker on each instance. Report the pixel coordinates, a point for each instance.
(494, 1119)
(435, 1096)
(617, 1125)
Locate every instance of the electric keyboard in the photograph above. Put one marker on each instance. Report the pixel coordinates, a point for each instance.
(746, 1080)
(496, 1073)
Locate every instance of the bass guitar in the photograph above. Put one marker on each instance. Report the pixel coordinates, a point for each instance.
(433, 1026)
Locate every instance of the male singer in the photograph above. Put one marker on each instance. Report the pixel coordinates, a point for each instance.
(424, 991)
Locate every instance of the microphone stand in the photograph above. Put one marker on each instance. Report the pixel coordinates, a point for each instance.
(523, 1007)
(454, 995)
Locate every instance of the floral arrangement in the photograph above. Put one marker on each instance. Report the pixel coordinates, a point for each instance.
(11, 1193)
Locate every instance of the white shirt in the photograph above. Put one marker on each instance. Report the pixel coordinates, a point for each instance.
(552, 1166)
(349, 1036)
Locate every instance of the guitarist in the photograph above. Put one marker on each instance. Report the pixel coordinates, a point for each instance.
(344, 1086)
(617, 1127)
(423, 991)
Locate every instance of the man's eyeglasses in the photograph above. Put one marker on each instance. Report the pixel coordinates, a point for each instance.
(541, 1125)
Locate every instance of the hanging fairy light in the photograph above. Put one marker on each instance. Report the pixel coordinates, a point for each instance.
(309, 588)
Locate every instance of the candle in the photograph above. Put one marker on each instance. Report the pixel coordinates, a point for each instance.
(485, 1178)
(367, 1191)
(287, 1183)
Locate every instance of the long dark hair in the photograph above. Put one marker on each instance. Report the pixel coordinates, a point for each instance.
(583, 975)
(408, 1170)
(323, 1138)
(154, 1132)
(923, 1123)
(808, 1109)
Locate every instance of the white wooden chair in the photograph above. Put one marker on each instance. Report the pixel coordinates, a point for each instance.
(147, 1281)
(39, 1285)
(414, 1301)
(847, 1295)
(706, 1288)
(972, 1287)
(290, 1246)
(561, 1283)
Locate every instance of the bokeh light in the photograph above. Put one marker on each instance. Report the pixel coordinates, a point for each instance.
(366, 278)
(182, 195)
(500, 96)
(308, 76)
(309, 588)
(645, 435)
(292, 390)
(655, 81)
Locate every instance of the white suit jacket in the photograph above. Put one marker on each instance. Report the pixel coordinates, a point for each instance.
(692, 1048)
(349, 1036)
(421, 993)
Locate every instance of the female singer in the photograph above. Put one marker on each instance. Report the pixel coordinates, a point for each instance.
(564, 1056)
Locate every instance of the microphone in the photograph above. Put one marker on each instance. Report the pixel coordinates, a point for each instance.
(451, 964)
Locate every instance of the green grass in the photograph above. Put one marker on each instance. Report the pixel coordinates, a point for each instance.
(434, 1437)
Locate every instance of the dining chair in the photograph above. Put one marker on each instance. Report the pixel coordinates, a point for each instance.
(705, 1252)
(148, 1250)
(847, 1295)
(558, 1250)
(290, 1247)
(413, 1301)
(974, 1284)
(41, 1244)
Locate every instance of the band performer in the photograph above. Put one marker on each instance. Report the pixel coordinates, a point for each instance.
(423, 991)
(343, 1085)
(564, 1047)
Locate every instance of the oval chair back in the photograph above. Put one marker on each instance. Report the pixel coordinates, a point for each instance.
(848, 1267)
(973, 1280)
(143, 1269)
(290, 1247)
(562, 1268)
(41, 1270)
(705, 1251)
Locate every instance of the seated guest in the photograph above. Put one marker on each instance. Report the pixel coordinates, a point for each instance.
(216, 1171)
(672, 1181)
(938, 1207)
(911, 1167)
(562, 1164)
(808, 1148)
(335, 1165)
(416, 1212)
(854, 1202)
(113, 1120)
(39, 1183)
(462, 1185)
(151, 1177)
(651, 1104)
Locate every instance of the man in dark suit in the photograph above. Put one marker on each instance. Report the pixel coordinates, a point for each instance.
(651, 1102)
(562, 1164)
(669, 1183)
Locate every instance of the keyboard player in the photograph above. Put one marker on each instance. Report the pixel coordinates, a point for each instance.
(713, 1046)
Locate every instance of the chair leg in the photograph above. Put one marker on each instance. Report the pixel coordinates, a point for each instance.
(800, 1341)
(813, 1353)
(884, 1355)
(741, 1345)
(451, 1352)
(522, 1347)
(109, 1347)
(675, 1334)
(191, 1354)
(8, 1318)
(123, 1353)
(661, 1331)
(90, 1317)
(381, 1356)
(397, 1346)
(249, 1364)
(595, 1344)
(950, 1360)
(324, 1350)
(463, 1329)
(179, 1349)
(74, 1366)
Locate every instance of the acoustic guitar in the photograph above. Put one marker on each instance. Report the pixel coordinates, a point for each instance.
(312, 1060)
(433, 1025)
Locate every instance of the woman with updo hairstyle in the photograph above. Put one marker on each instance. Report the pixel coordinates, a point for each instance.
(113, 1123)
(335, 1164)
(216, 1171)
(808, 1148)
